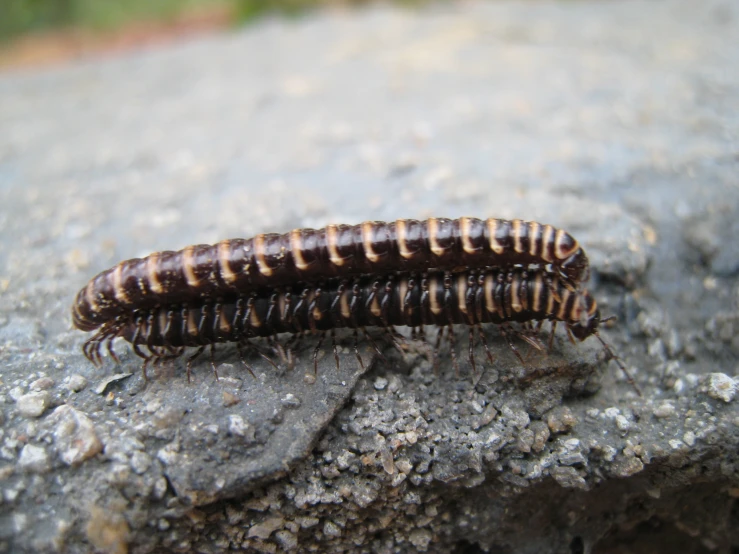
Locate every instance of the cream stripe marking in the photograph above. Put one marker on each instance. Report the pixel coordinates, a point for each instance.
(151, 270)
(433, 226)
(550, 297)
(369, 253)
(465, 224)
(224, 252)
(517, 236)
(296, 245)
(90, 296)
(188, 262)
(375, 306)
(538, 287)
(118, 290)
(593, 307)
(489, 299)
(576, 311)
(533, 237)
(344, 305)
(262, 264)
(192, 328)
(434, 300)
(254, 320)
(401, 230)
(462, 293)
(332, 239)
(561, 253)
(515, 300)
(162, 322)
(495, 246)
(402, 289)
(546, 243)
(223, 323)
(563, 305)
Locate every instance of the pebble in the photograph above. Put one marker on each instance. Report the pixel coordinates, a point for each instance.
(664, 410)
(240, 428)
(627, 467)
(722, 387)
(568, 477)
(76, 383)
(541, 435)
(33, 404)
(622, 423)
(34, 458)
(264, 529)
(560, 419)
(290, 401)
(44, 383)
(420, 538)
(286, 539)
(140, 462)
(380, 383)
(330, 529)
(74, 435)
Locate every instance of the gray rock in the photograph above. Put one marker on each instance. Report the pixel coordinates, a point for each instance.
(722, 387)
(590, 117)
(76, 383)
(74, 435)
(34, 458)
(33, 404)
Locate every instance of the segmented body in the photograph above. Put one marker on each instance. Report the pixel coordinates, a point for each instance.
(470, 298)
(241, 266)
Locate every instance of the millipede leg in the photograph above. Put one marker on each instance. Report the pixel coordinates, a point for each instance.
(240, 348)
(109, 345)
(396, 337)
(199, 351)
(279, 349)
(505, 330)
(264, 356)
(336, 352)
(485, 344)
(143, 370)
(374, 345)
(356, 349)
(612, 356)
(213, 359)
(471, 354)
(96, 352)
(315, 352)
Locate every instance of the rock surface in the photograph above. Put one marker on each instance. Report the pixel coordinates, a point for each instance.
(616, 121)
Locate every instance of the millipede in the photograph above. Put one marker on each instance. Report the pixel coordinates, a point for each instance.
(439, 298)
(241, 266)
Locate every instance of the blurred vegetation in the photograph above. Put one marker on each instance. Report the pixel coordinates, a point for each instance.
(19, 17)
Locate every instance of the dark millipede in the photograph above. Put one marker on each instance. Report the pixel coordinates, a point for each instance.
(438, 298)
(240, 266)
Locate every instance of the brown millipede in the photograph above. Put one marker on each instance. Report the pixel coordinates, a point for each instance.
(240, 266)
(439, 298)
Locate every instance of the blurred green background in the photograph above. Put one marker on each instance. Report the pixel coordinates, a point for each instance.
(18, 17)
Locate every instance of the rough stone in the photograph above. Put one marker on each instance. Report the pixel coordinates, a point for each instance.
(722, 387)
(34, 458)
(33, 404)
(74, 435)
(591, 118)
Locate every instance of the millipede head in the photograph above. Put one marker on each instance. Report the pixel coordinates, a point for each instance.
(589, 318)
